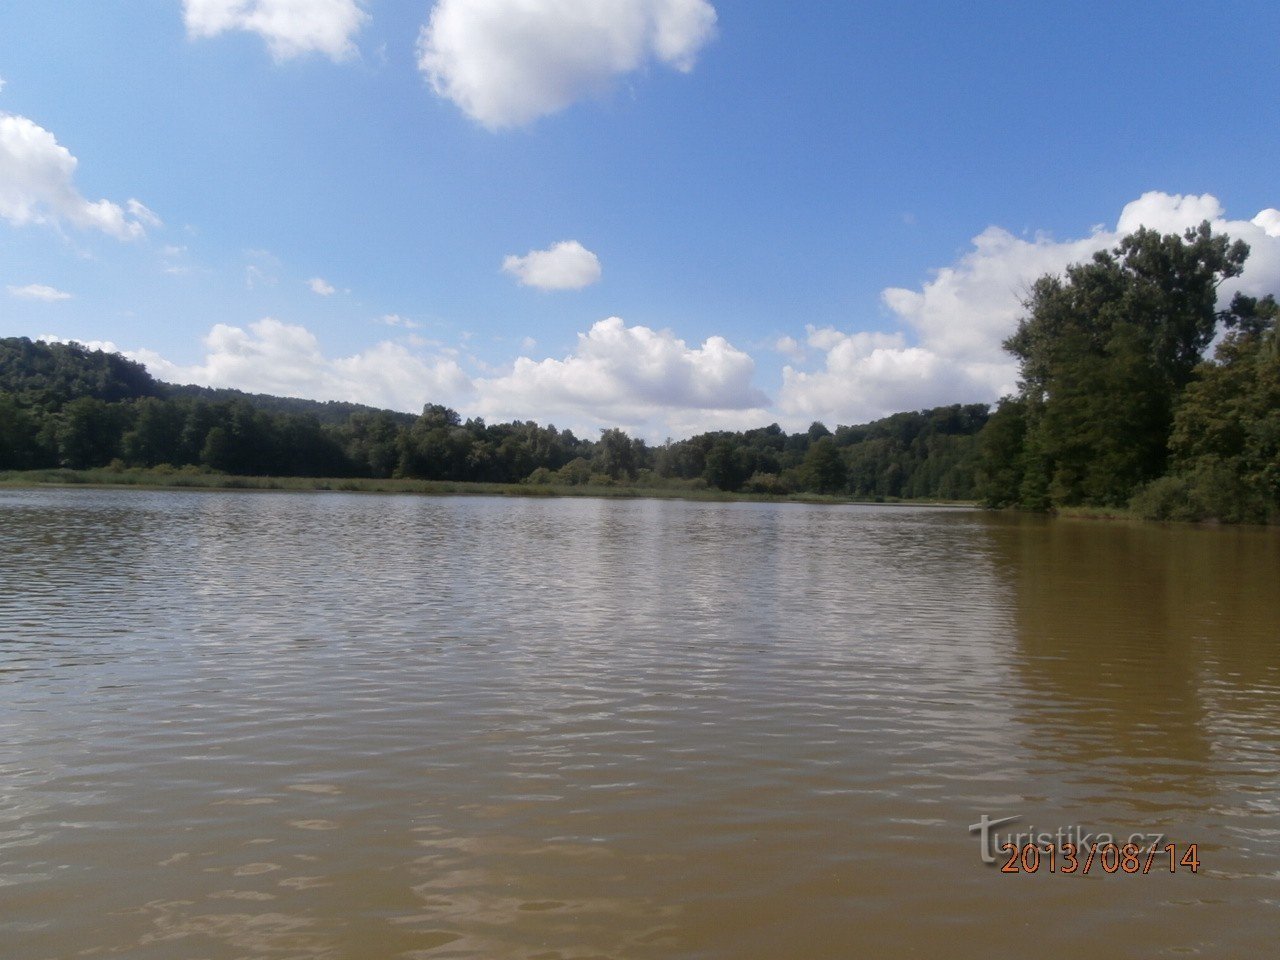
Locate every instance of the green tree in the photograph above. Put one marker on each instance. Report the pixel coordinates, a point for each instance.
(724, 467)
(19, 436)
(156, 436)
(88, 432)
(371, 442)
(1000, 464)
(1226, 433)
(217, 453)
(1104, 354)
(615, 455)
(824, 468)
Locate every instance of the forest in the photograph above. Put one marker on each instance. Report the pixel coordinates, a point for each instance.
(62, 405)
(1118, 407)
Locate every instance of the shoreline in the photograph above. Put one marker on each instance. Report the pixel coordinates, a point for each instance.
(150, 479)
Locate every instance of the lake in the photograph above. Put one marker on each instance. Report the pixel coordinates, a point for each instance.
(254, 725)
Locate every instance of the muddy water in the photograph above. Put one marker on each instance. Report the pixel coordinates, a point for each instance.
(358, 727)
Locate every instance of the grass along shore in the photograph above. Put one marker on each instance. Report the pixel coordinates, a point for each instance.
(193, 479)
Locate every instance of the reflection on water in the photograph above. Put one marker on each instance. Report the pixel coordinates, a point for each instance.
(344, 726)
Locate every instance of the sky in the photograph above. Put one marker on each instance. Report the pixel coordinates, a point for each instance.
(666, 215)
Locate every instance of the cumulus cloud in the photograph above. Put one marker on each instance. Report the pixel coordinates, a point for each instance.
(1269, 222)
(320, 287)
(643, 379)
(869, 375)
(37, 186)
(789, 347)
(283, 359)
(38, 291)
(567, 265)
(506, 63)
(291, 28)
(947, 348)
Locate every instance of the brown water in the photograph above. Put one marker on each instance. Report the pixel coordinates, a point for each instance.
(344, 726)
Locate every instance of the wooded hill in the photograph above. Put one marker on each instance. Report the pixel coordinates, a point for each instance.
(63, 405)
(1117, 406)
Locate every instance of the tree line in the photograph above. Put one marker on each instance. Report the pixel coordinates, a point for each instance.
(64, 405)
(1117, 406)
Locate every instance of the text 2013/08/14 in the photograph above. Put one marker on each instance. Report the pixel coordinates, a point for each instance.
(1070, 858)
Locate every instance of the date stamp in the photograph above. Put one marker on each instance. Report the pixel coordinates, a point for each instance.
(1068, 858)
(1076, 851)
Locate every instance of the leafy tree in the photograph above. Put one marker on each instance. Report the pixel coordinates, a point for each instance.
(615, 456)
(1226, 433)
(156, 436)
(371, 442)
(88, 432)
(19, 436)
(725, 467)
(217, 451)
(1105, 352)
(823, 467)
(1000, 468)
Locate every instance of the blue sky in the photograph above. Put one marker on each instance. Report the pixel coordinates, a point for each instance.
(670, 215)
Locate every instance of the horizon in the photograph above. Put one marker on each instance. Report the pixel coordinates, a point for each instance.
(713, 218)
(832, 427)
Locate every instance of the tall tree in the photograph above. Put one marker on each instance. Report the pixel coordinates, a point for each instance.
(615, 455)
(1105, 352)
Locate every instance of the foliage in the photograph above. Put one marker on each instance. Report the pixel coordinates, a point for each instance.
(1114, 396)
(1225, 440)
(67, 407)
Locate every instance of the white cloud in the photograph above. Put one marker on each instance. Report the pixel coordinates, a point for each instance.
(320, 287)
(567, 265)
(3, 83)
(1269, 221)
(395, 320)
(789, 347)
(959, 318)
(646, 380)
(104, 345)
(37, 185)
(279, 358)
(38, 291)
(508, 62)
(291, 28)
(869, 375)
(944, 348)
(140, 212)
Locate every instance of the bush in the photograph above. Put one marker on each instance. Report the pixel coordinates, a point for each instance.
(769, 483)
(576, 471)
(1213, 490)
(1168, 498)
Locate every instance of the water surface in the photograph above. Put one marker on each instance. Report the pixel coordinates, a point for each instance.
(341, 726)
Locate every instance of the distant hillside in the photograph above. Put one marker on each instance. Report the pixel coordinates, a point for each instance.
(63, 405)
(330, 412)
(53, 374)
